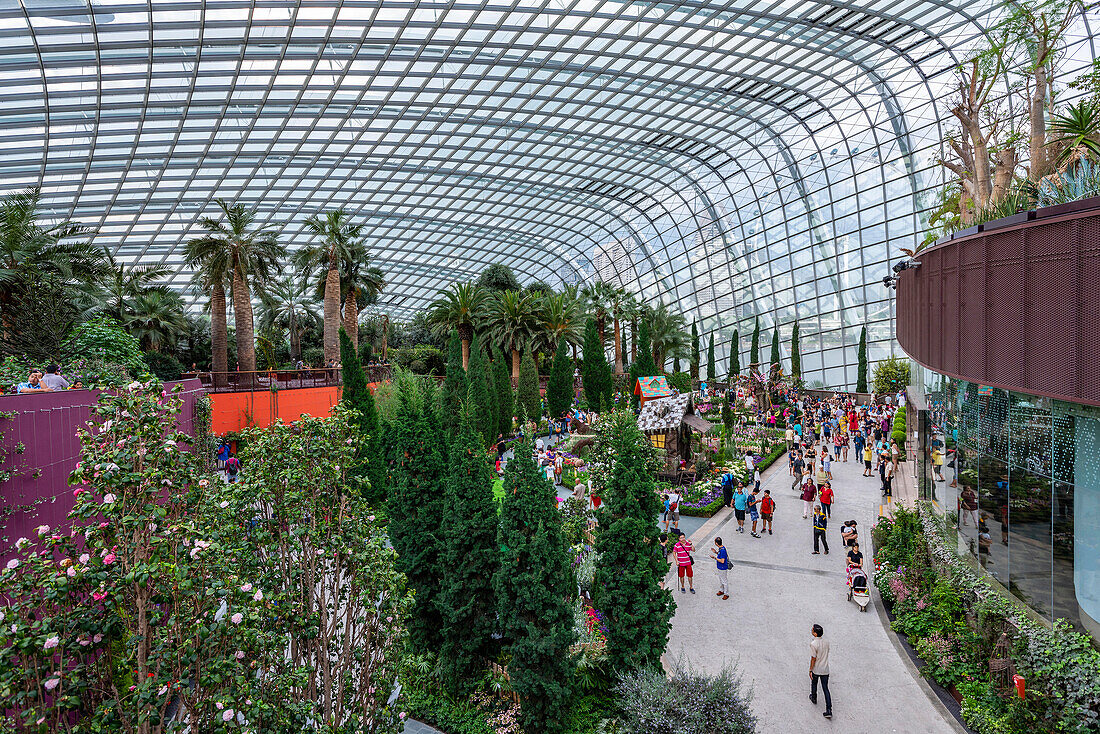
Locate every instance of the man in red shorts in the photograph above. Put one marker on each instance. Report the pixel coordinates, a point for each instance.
(683, 549)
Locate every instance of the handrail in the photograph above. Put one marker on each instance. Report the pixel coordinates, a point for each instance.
(256, 380)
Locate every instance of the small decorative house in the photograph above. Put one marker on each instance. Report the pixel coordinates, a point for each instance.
(651, 388)
(668, 422)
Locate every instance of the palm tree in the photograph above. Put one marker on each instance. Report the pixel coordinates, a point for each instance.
(248, 251)
(28, 247)
(340, 242)
(668, 331)
(289, 304)
(460, 308)
(155, 317)
(598, 295)
(1077, 131)
(561, 318)
(512, 318)
(118, 282)
(360, 282)
(211, 266)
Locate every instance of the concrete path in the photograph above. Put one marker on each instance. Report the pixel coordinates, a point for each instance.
(778, 590)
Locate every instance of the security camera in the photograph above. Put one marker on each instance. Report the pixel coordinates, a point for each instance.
(905, 265)
(890, 282)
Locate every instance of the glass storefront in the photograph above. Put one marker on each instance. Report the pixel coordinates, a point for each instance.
(1018, 479)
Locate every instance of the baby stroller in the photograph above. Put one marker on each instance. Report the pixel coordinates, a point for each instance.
(857, 588)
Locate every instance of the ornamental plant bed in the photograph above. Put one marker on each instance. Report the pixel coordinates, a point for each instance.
(704, 498)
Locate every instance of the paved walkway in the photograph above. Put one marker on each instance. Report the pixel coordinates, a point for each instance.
(778, 590)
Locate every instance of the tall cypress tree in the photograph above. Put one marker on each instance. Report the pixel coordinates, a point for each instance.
(415, 508)
(593, 367)
(502, 377)
(861, 375)
(357, 396)
(694, 364)
(491, 428)
(775, 346)
(754, 354)
(796, 354)
(630, 570)
(735, 357)
(468, 560)
(559, 390)
(532, 586)
(712, 375)
(455, 387)
(527, 391)
(644, 365)
(354, 379)
(480, 405)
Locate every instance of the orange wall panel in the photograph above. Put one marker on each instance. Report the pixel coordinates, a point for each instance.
(233, 411)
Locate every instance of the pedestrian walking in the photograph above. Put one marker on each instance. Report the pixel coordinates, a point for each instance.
(672, 515)
(727, 489)
(809, 492)
(798, 467)
(754, 512)
(887, 479)
(826, 498)
(819, 668)
(868, 454)
(821, 524)
(740, 505)
(232, 468)
(826, 464)
(684, 562)
(767, 509)
(722, 560)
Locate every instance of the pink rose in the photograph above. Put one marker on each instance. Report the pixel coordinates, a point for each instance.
(258, 596)
(227, 715)
(239, 654)
(70, 571)
(13, 564)
(237, 618)
(52, 683)
(99, 595)
(98, 638)
(51, 643)
(246, 588)
(79, 491)
(110, 558)
(84, 558)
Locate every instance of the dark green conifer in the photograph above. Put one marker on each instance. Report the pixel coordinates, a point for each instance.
(559, 390)
(735, 357)
(468, 560)
(796, 354)
(775, 346)
(533, 588)
(712, 374)
(502, 378)
(694, 365)
(861, 374)
(480, 406)
(594, 367)
(631, 567)
(754, 354)
(527, 391)
(455, 387)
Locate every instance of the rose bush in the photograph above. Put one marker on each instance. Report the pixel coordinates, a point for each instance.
(164, 602)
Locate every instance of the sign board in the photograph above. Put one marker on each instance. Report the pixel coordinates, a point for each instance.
(985, 390)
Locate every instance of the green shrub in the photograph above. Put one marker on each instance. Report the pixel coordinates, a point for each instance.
(104, 340)
(891, 374)
(685, 703)
(422, 359)
(166, 367)
(679, 380)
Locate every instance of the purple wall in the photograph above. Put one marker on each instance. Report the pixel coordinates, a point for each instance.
(46, 425)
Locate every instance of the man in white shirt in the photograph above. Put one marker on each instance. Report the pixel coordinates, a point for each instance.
(54, 381)
(819, 668)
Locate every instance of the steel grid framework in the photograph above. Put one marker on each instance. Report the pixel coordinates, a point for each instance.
(735, 158)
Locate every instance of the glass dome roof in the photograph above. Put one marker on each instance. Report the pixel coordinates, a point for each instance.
(732, 158)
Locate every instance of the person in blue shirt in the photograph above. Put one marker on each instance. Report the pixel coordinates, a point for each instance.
(722, 562)
(727, 489)
(740, 504)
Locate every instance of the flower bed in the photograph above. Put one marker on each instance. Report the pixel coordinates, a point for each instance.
(704, 497)
(953, 615)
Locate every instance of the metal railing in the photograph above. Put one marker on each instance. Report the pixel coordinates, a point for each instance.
(240, 381)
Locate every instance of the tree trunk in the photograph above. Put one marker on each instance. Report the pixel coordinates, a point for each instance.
(466, 334)
(1002, 176)
(242, 311)
(351, 317)
(515, 368)
(385, 338)
(618, 348)
(331, 339)
(1037, 143)
(634, 340)
(219, 333)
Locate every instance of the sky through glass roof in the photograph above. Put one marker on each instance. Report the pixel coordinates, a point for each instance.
(734, 158)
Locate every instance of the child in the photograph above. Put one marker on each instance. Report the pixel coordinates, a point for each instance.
(767, 507)
(754, 514)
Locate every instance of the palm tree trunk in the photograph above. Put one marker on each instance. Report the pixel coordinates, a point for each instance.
(295, 338)
(634, 340)
(618, 348)
(515, 368)
(385, 338)
(242, 311)
(351, 317)
(466, 334)
(219, 332)
(331, 339)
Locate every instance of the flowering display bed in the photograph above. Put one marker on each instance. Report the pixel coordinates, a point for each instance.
(704, 498)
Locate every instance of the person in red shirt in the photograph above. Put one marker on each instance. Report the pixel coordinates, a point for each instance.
(767, 507)
(683, 549)
(826, 498)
